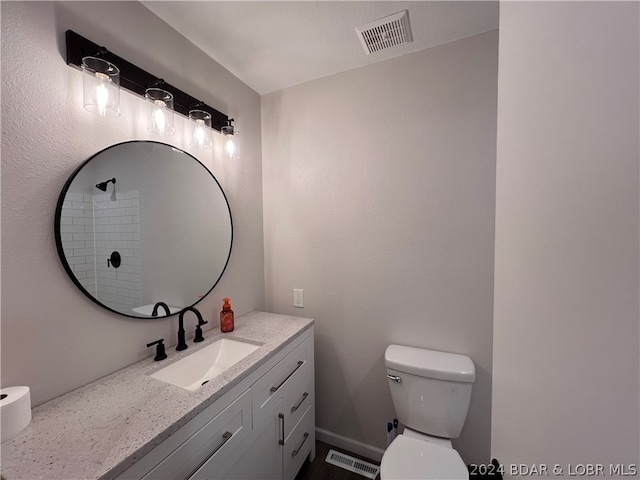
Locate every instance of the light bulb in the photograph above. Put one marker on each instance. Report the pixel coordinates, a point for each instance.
(230, 149)
(101, 87)
(101, 95)
(199, 133)
(158, 116)
(160, 111)
(230, 139)
(201, 136)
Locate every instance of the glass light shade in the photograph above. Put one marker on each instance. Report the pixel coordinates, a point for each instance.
(230, 141)
(101, 87)
(160, 111)
(201, 136)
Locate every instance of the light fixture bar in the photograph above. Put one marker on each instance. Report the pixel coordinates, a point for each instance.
(137, 80)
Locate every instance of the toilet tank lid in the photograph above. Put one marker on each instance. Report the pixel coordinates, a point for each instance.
(430, 363)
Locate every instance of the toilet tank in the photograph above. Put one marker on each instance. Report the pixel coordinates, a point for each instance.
(430, 389)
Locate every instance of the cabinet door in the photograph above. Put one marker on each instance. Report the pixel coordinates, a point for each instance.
(262, 458)
(216, 442)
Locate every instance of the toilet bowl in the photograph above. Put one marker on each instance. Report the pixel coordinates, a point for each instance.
(431, 392)
(408, 457)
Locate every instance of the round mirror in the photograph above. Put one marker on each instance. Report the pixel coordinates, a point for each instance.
(142, 223)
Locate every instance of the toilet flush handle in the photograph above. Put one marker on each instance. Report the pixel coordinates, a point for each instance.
(395, 378)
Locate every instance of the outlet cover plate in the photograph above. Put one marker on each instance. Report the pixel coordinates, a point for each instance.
(298, 297)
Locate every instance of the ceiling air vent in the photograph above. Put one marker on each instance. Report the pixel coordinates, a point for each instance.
(385, 33)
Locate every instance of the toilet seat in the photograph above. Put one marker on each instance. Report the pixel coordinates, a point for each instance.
(409, 458)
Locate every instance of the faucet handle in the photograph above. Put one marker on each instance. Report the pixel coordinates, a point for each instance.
(160, 353)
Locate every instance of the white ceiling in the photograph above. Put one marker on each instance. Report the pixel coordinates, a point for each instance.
(271, 45)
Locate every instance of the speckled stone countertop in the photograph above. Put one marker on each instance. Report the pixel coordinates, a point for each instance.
(99, 430)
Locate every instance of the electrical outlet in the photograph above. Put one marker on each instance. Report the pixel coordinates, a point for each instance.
(298, 297)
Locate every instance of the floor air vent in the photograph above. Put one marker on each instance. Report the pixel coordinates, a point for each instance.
(385, 33)
(352, 464)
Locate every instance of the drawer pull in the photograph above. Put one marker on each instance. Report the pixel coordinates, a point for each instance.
(296, 451)
(296, 407)
(225, 438)
(275, 389)
(281, 417)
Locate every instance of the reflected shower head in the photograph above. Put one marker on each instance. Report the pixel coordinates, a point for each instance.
(103, 186)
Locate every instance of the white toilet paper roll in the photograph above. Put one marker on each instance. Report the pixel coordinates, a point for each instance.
(15, 411)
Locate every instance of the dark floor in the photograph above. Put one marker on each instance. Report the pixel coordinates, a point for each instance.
(321, 470)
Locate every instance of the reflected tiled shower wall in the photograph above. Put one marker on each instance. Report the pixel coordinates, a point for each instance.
(117, 228)
(92, 227)
(76, 230)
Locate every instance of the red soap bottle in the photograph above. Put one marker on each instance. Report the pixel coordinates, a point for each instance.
(226, 317)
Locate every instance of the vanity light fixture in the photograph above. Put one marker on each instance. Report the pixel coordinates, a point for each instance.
(230, 139)
(201, 136)
(160, 110)
(134, 79)
(101, 86)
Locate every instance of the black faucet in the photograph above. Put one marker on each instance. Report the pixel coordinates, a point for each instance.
(182, 345)
(160, 304)
(160, 353)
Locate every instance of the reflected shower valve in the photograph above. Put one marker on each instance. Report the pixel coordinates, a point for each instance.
(114, 260)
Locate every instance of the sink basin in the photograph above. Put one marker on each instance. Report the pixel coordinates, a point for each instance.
(193, 371)
(148, 310)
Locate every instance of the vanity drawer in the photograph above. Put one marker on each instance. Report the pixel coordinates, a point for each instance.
(272, 386)
(213, 443)
(299, 444)
(298, 396)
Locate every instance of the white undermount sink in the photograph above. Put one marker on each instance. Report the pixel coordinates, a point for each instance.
(148, 310)
(193, 371)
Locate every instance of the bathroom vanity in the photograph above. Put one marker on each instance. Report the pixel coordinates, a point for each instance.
(255, 420)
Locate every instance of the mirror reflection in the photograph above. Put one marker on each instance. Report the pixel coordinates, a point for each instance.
(140, 223)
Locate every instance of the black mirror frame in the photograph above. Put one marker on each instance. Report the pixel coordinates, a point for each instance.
(58, 236)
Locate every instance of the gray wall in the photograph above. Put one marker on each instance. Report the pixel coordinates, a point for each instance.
(566, 350)
(54, 339)
(379, 188)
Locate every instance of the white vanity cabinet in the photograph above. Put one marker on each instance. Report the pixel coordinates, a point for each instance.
(263, 428)
(283, 419)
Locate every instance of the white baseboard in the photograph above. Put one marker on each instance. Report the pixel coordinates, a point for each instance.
(354, 446)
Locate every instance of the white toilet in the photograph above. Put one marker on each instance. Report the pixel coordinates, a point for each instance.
(431, 392)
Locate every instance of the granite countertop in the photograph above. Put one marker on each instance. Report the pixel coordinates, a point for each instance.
(100, 429)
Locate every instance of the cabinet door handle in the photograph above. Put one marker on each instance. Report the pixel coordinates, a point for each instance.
(295, 407)
(281, 416)
(225, 438)
(276, 388)
(297, 450)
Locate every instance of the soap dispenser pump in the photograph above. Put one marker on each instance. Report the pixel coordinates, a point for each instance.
(226, 317)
